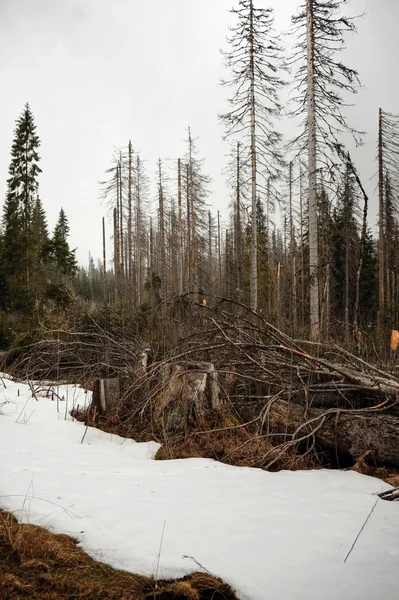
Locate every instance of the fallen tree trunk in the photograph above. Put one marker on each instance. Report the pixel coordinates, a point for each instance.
(347, 434)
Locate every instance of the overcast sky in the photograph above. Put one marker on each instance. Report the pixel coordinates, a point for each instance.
(98, 72)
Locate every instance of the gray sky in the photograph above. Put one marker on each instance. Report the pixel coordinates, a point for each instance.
(98, 72)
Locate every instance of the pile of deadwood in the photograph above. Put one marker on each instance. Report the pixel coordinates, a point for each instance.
(314, 398)
(220, 357)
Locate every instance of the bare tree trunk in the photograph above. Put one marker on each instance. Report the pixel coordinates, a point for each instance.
(180, 225)
(302, 248)
(104, 267)
(194, 241)
(312, 166)
(238, 233)
(270, 287)
(293, 256)
(129, 260)
(139, 236)
(219, 254)
(327, 296)
(381, 211)
(162, 230)
(189, 245)
(278, 295)
(122, 280)
(346, 315)
(116, 257)
(227, 266)
(210, 254)
(360, 265)
(151, 248)
(254, 237)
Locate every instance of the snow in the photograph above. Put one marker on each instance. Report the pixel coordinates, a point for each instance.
(283, 536)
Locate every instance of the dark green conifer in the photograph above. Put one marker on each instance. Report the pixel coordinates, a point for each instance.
(19, 244)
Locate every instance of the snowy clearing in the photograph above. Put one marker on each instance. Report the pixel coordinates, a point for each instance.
(280, 535)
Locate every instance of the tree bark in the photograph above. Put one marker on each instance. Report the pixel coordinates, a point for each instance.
(237, 233)
(104, 266)
(129, 258)
(161, 229)
(312, 166)
(180, 226)
(381, 258)
(254, 237)
(344, 434)
(190, 391)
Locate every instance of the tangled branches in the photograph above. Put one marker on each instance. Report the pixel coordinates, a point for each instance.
(228, 384)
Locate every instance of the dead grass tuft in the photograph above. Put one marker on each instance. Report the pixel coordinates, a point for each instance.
(364, 466)
(199, 586)
(39, 565)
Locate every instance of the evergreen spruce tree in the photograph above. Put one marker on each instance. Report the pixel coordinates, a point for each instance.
(368, 301)
(345, 251)
(58, 252)
(4, 291)
(39, 241)
(19, 244)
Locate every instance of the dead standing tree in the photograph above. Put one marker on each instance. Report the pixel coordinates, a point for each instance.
(320, 82)
(254, 59)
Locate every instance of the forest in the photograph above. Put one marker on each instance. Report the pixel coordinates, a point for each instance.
(265, 336)
(208, 409)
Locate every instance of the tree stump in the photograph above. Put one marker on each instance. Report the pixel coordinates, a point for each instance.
(190, 392)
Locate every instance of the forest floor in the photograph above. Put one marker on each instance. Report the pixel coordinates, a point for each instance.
(285, 535)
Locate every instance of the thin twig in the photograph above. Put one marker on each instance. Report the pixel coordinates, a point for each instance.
(159, 556)
(361, 530)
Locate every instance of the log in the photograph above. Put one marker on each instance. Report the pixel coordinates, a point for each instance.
(345, 435)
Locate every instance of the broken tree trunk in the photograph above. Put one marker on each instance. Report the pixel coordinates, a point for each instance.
(189, 392)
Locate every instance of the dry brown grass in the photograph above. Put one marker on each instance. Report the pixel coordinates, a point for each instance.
(37, 564)
(225, 438)
(364, 466)
(222, 437)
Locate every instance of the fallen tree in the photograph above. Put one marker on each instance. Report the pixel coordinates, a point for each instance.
(344, 435)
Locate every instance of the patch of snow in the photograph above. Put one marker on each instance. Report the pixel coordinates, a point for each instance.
(283, 536)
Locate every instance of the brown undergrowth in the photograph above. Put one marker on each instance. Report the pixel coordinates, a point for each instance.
(222, 437)
(40, 565)
(364, 466)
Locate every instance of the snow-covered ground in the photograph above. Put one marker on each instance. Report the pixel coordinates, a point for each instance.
(283, 536)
